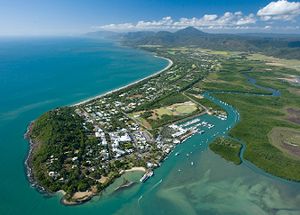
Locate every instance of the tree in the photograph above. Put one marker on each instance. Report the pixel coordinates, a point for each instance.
(82, 186)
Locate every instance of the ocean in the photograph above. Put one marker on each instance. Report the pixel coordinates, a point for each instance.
(39, 74)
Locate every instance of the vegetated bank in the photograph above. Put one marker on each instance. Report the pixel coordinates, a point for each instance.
(259, 114)
(227, 148)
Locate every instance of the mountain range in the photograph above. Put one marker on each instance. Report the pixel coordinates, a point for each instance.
(277, 45)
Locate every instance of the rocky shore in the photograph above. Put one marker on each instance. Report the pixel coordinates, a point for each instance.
(28, 160)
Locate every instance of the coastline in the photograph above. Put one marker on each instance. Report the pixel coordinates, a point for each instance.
(85, 196)
(33, 144)
(138, 169)
(170, 63)
(97, 200)
(28, 164)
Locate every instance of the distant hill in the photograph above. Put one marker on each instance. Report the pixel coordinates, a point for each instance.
(190, 31)
(283, 46)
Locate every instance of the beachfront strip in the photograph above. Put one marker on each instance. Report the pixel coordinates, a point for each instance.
(92, 143)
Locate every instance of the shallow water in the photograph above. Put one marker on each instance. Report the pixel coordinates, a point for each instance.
(37, 75)
(212, 185)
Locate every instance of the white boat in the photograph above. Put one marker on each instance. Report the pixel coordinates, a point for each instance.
(191, 122)
(146, 176)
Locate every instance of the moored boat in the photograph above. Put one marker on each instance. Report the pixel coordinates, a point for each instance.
(146, 176)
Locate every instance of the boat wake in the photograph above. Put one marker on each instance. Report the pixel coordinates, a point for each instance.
(140, 198)
(155, 185)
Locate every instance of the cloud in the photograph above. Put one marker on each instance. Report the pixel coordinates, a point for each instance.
(227, 20)
(280, 10)
(163, 23)
(211, 21)
(275, 11)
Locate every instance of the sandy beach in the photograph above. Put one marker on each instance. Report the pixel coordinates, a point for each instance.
(128, 85)
(140, 169)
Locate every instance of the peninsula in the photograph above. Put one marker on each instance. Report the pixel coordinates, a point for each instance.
(83, 148)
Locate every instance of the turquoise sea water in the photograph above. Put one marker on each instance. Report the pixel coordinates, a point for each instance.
(37, 75)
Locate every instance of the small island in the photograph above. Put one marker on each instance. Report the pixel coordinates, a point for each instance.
(228, 148)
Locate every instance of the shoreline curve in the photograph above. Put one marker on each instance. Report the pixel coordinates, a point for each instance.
(32, 144)
(170, 63)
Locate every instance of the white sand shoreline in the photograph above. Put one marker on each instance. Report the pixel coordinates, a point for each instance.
(133, 169)
(128, 85)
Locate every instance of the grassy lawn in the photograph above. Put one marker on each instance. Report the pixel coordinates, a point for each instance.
(177, 109)
(170, 109)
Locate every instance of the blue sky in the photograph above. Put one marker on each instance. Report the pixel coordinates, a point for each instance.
(69, 17)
